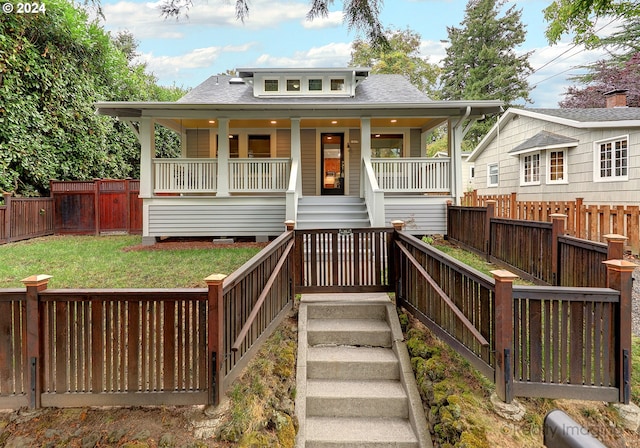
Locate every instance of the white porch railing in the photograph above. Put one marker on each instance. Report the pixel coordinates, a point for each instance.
(373, 196)
(201, 175)
(258, 175)
(185, 175)
(413, 175)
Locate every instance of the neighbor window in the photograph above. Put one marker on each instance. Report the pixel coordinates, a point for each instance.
(386, 145)
(530, 169)
(337, 85)
(271, 85)
(492, 175)
(315, 85)
(557, 162)
(612, 159)
(293, 85)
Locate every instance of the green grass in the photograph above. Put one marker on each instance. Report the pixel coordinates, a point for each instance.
(102, 262)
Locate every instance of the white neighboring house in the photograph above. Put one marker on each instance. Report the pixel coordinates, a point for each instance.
(326, 147)
(468, 169)
(562, 154)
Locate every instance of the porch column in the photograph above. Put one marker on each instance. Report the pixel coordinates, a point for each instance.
(223, 157)
(296, 152)
(365, 148)
(147, 153)
(455, 152)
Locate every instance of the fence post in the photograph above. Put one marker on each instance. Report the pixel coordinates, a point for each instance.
(580, 218)
(619, 277)
(215, 332)
(558, 227)
(7, 216)
(34, 284)
(504, 333)
(290, 226)
(396, 269)
(513, 207)
(615, 246)
(491, 212)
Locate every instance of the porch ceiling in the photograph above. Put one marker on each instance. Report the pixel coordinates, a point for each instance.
(390, 122)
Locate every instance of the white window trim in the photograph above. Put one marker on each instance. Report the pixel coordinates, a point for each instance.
(489, 165)
(523, 182)
(596, 160)
(565, 167)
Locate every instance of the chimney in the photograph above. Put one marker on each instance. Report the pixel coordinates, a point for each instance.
(616, 98)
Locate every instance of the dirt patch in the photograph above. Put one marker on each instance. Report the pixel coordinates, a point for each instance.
(194, 243)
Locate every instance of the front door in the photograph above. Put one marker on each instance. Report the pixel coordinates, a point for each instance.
(332, 156)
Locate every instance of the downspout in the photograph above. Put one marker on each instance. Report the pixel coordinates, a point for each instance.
(456, 157)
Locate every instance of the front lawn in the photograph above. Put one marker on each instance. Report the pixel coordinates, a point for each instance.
(104, 262)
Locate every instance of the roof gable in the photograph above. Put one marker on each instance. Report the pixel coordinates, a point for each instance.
(544, 140)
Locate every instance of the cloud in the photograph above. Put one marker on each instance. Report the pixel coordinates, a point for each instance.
(330, 55)
(174, 67)
(333, 20)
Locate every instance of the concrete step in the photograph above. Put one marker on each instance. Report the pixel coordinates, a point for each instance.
(331, 212)
(330, 199)
(352, 363)
(356, 332)
(372, 399)
(327, 432)
(347, 311)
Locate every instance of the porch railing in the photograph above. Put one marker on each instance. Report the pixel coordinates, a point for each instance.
(413, 175)
(185, 175)
(373, 195)
(259, 175)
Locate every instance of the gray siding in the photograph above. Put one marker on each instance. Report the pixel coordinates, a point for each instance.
(420, 219)
(198, 143)
(355, 162)
(414, 144)
(308, 144)
(579, 164)
(216, 219)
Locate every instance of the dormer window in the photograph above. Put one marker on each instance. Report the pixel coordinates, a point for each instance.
(337, 84)
(315, 85)
(293, 85)
(271, 85)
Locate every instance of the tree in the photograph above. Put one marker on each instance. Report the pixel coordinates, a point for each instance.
(402, 56)
(580, 18)
(481, 61)
(605, 76)
(361, 15)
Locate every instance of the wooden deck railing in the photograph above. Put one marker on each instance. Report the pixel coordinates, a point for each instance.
(413, 174)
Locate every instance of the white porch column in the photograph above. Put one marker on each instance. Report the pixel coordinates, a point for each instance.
(147, 153)
(455, 152)
(223, 157)
(365, 138)
(296, 152)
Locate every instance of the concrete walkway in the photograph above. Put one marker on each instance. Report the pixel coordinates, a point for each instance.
(355, 386)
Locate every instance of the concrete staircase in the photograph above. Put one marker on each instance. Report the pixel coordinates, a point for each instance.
(332, 212)
(355, 387)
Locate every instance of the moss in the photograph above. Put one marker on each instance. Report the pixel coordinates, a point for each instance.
(417, 347)
(404, 321)
(473, 438)
(286, 431)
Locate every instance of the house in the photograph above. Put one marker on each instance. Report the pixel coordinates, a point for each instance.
(325, 147)
(562, 154)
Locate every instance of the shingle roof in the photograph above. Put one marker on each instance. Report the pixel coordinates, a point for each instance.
(374, 89)
(594, 114)
(544, 139)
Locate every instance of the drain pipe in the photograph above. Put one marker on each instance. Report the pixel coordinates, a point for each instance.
(561, 431)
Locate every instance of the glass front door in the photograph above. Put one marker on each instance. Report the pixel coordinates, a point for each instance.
(332, 156)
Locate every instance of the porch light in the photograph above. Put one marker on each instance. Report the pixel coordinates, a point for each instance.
(274, 122)
(212, 121)
(394, 121)
(334, 122)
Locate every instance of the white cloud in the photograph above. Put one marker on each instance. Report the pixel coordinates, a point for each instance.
(333, 20)
(330, 55)
(174, 67)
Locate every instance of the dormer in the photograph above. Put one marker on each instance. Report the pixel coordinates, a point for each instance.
(310, 82)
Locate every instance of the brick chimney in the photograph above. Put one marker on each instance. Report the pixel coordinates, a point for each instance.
(616, 98)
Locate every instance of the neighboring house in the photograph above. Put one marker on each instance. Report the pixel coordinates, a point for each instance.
(325, 147)
(468, 169)
(562, 154)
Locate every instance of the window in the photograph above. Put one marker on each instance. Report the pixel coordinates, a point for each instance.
(271, 85)
(530, 169)
(492, 175)
(293, 85)
(611, 159)
(315, 85)
(472, 172)
(386, 145)
(557, 162)
(259, 146)
(337, 85)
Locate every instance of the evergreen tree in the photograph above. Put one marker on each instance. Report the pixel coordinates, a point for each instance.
(402, 57)
(481, 61)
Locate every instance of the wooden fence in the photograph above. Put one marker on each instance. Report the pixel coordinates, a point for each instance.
(535, 250)
(591, 222)
(554, 342)
(23, 218)
(131, 347)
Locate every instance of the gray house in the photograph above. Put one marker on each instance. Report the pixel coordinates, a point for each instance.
(562, 154)
(335, 147)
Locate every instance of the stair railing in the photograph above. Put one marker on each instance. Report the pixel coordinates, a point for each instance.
(373, 195)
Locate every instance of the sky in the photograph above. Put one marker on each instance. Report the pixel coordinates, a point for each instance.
(209, 40)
